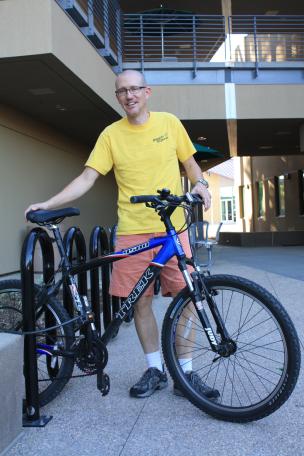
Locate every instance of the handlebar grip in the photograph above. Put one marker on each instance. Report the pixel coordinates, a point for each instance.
(142, 199)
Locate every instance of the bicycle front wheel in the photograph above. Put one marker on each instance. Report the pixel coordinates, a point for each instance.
(259, 376)
(54, 371)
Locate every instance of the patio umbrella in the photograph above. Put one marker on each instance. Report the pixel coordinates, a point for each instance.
(159, 22)
(205, 152)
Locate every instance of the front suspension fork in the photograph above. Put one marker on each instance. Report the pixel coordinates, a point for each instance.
(199, 293)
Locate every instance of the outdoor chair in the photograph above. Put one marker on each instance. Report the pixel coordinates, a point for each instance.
(198, 236)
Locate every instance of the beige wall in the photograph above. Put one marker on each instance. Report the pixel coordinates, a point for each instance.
(272, 101)
(36, 162)
(190, 101)
(54, 33)
(214, 214)
(265, 169)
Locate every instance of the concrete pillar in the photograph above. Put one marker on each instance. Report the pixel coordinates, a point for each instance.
(11, 389)
(226, 11)
(301, 138)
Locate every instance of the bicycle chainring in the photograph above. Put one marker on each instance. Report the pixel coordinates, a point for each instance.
(90, 355)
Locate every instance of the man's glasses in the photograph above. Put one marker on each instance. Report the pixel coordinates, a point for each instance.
(134, 90)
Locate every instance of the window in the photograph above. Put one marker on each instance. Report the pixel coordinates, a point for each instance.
(301, 190)
(228, 209)
(261, 199)
(241, 200)
(279, 188)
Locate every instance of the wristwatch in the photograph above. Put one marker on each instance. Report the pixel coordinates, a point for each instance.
(203, 181)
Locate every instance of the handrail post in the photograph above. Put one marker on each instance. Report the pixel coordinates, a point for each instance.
(118, 27)
(116, 300)
(71, 237)
(141, 43)
(255, 46)
(228, 38)
(32, 417)
(194, 47)
(99, 242)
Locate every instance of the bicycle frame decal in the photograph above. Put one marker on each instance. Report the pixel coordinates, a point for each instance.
(170, 246)
(136, 248)
(143, 283)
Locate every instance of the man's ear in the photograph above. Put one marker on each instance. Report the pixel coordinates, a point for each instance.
(148, 92)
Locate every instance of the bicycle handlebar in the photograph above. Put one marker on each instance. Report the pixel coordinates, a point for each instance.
(145, 199)
(164, 195)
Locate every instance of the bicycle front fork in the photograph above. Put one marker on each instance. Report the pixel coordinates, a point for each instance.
(200, 296)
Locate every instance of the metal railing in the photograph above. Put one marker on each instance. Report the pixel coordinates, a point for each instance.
(184, 37)
(266, 38)
(171, 37)
(100, 22)
(178, 40)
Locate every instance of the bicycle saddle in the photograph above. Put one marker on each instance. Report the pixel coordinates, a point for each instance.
(41, 216)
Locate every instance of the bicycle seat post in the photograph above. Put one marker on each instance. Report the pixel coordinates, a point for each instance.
(59, 242)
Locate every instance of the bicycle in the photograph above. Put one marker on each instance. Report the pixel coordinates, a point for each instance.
(239, 337)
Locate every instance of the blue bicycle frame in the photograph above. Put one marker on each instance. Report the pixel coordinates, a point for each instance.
(170, 246)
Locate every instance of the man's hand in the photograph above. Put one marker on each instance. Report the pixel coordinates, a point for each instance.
(203, 191)
(35, 207)
(194, 173)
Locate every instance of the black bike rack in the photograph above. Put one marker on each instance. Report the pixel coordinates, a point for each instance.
(31, 417)
(116, 300)
(99, 245)
(74, 238)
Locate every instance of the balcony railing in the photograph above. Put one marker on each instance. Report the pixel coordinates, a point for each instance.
(100, 22)
(171, 37)
(266, 38)
(183, 38)
(180, 41)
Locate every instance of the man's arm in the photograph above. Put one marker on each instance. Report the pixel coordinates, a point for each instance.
(194, 173)
(72, 191)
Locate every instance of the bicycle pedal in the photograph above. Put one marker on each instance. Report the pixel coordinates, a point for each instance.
(103, 383)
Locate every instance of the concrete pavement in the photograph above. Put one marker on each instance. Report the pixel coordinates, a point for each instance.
(85, 423)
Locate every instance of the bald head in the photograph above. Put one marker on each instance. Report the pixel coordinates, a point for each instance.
(130, 78)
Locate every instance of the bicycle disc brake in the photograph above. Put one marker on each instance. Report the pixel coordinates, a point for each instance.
(90, 357)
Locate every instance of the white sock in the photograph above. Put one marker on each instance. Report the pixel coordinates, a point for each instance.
(185, 364)
(154, 360)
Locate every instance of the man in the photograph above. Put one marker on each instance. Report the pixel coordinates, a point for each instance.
(143, 149)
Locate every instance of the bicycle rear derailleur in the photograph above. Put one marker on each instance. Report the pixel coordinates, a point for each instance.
(91, 358)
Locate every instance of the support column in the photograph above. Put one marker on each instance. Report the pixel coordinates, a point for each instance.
(301, 132)
(226, 11)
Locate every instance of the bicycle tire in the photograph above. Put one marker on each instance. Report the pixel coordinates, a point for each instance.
(53, 372)
(260, 376)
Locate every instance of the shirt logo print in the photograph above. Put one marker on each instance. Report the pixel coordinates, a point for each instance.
(161, 138)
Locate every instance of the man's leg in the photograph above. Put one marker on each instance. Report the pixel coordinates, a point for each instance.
(154, 377)
(146, 325)
(185, 337)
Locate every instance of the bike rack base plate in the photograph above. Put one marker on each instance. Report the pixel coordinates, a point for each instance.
(41, 422)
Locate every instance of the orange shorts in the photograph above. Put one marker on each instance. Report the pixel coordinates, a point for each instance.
(126, 272)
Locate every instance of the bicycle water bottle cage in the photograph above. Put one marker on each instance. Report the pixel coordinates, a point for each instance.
(42, 217)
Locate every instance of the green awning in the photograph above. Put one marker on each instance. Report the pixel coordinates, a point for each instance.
(205, 152)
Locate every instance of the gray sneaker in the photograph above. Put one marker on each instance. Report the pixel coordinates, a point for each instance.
(197, 384)
(153, 379)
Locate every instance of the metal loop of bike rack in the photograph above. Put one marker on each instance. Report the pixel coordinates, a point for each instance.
(31, 417)
(116, 301)
(74, 237)
(99, 244)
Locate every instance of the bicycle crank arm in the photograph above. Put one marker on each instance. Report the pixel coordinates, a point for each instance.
(103, 382)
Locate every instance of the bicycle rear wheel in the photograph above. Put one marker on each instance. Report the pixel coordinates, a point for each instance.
(259, 376)
(53, 371)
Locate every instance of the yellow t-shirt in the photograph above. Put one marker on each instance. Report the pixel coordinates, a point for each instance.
(145, 159)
